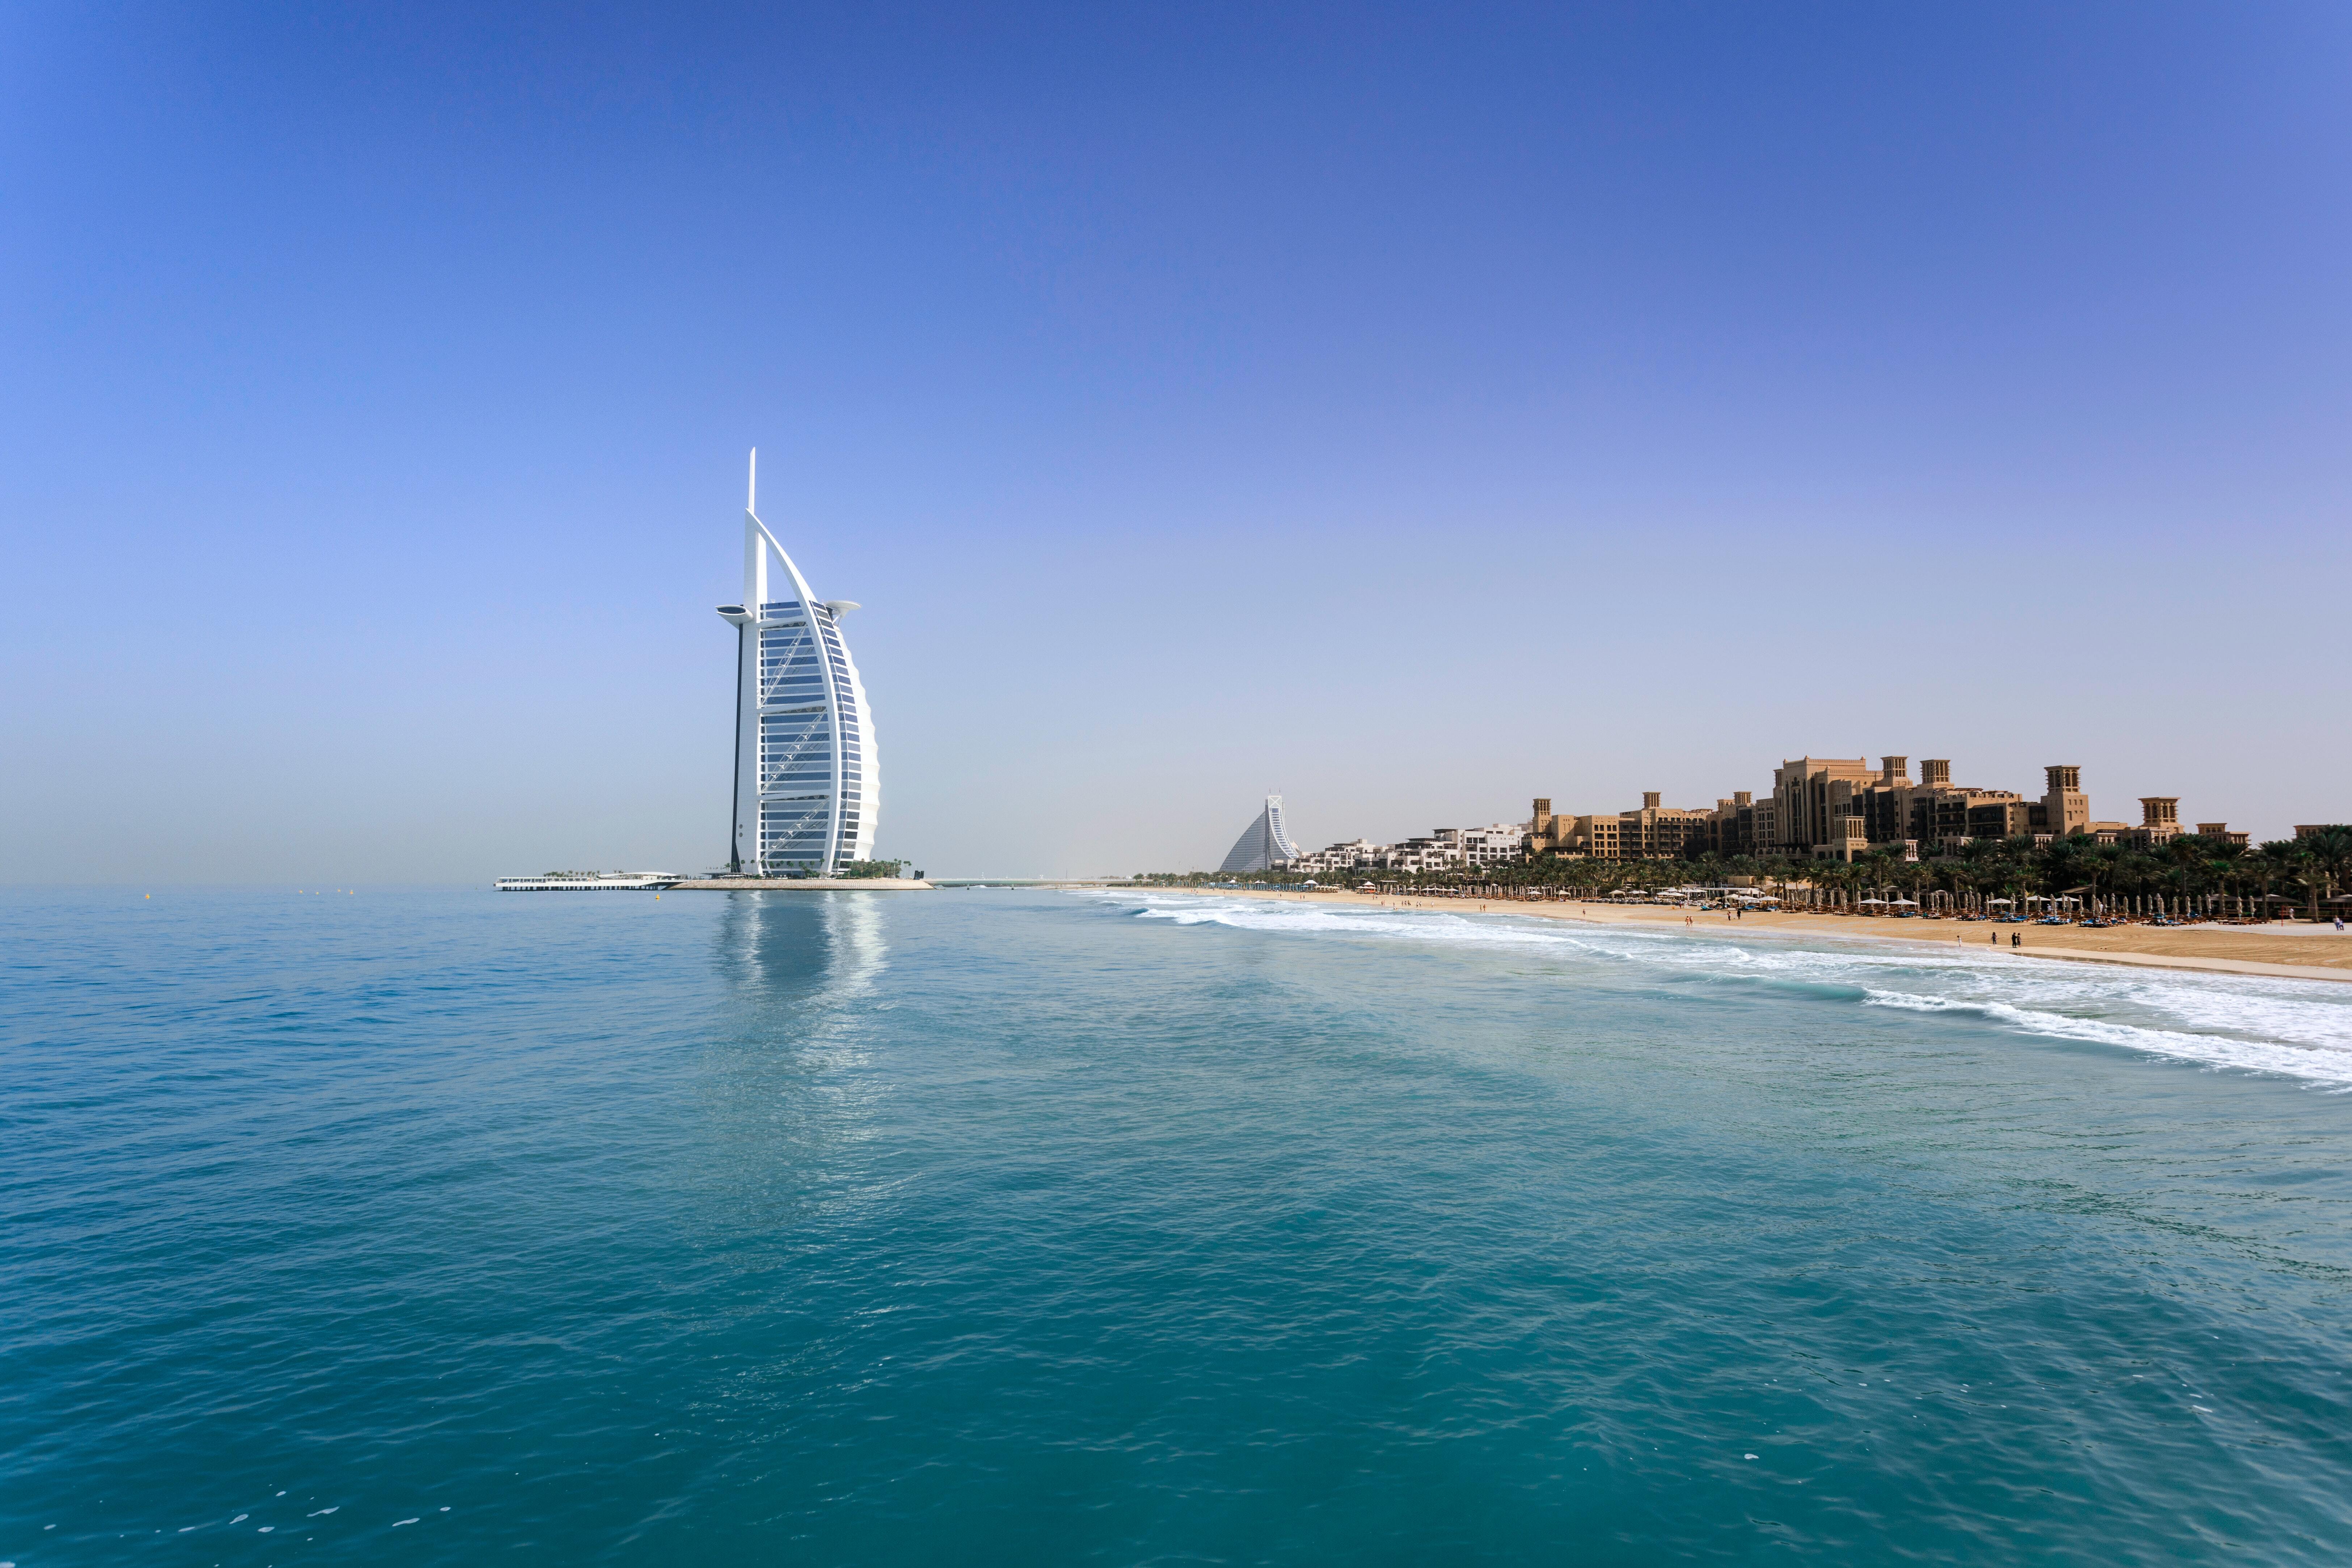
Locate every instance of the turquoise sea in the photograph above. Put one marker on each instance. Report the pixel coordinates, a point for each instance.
(1039, 1228)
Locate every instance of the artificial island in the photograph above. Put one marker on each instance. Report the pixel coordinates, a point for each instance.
(807, 783)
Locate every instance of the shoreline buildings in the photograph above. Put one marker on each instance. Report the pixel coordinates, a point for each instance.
(807, 781)
(1834, 808)
(1444, 849)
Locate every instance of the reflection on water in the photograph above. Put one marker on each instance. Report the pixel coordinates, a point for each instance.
(803, 949)
(791, 1084)
(853, 924)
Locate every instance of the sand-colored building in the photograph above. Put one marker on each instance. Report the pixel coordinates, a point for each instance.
(1742, 825)
(2066, 809)
(1818, 801)
(1942, 811)
(1839, 807)
(2159, 823)
(2159, 820)
(1812, 797)
(1653, 831)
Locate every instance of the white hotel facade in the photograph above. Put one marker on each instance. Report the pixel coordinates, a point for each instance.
(807, 781)
(1445, 849)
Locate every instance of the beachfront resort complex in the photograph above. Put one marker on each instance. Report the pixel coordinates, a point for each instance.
(807, 782)
(1818, 808)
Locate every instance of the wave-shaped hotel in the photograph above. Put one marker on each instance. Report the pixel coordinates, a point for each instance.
(807, 782)
(1264, 845)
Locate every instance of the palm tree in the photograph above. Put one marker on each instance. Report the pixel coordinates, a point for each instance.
(2223, 862)
(2275, 861)
(2327, 850)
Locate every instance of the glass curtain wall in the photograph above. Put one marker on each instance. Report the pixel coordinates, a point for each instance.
(795, 742)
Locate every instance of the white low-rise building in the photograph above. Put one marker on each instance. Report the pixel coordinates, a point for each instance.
(1499, 843)
(1438, 852)
(1444, 849)
(1360, 855)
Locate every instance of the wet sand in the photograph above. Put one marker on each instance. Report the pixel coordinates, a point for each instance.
(2301, 952)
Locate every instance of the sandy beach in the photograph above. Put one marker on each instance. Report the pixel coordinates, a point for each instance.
(2300, 952)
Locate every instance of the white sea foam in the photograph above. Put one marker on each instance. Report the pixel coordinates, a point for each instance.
(2299, 1027)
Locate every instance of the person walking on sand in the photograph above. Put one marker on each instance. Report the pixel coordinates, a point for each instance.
(2017, 939)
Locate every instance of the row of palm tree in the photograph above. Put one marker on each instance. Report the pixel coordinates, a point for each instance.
(2310, 869)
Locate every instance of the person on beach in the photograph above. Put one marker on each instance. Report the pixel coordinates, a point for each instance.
(2017, 939)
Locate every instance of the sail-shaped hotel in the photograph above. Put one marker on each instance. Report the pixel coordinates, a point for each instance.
(807, 784)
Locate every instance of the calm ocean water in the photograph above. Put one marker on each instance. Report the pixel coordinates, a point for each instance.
(997, 1227)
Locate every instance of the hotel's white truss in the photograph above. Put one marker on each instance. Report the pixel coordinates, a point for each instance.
(807, 783)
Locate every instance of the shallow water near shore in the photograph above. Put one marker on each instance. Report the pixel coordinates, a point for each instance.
(1032, 1227)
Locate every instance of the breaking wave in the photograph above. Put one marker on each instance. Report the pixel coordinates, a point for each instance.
(2301, 1028)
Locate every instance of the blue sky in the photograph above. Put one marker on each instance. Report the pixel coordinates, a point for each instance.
(1414, 410)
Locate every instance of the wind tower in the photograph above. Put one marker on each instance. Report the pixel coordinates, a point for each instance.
(807, 782)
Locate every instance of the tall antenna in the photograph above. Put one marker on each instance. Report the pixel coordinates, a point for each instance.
(752, 500)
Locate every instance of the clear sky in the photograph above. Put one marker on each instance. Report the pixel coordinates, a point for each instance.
(1414, 410)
